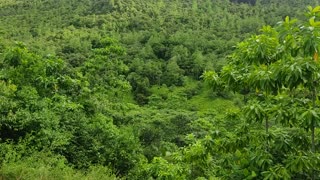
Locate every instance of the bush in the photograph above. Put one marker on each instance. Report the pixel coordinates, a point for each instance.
(45, 165)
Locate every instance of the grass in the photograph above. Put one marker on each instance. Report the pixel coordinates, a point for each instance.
(206, 102)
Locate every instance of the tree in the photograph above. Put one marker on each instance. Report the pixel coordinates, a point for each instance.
(277, 66)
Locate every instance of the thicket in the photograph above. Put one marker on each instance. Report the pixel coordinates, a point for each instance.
(93, 89)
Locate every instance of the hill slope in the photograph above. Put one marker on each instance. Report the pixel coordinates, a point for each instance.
(107, 87)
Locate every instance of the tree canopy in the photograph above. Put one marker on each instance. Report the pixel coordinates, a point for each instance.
(140, 89)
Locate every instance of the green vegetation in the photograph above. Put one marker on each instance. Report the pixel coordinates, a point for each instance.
(141, 89)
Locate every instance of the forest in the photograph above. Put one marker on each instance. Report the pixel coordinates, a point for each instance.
(159, 89)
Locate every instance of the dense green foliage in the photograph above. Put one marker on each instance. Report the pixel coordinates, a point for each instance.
(113, 89)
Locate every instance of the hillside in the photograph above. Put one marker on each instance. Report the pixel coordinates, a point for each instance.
(130, 89)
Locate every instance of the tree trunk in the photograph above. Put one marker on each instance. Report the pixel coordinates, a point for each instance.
(313, 149)
(313, 122)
